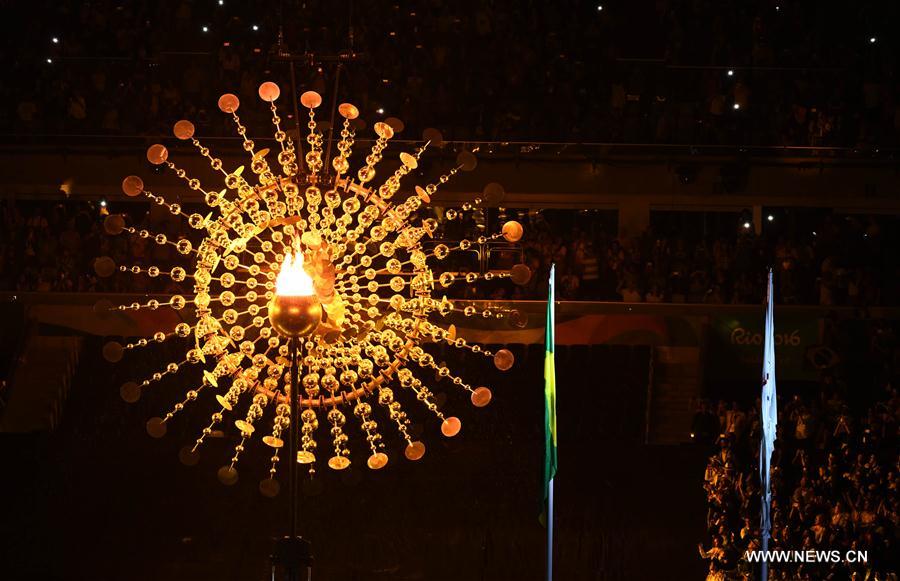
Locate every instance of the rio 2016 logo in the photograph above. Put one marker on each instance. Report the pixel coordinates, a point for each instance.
(741, 336)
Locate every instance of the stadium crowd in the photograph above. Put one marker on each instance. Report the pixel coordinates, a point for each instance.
(845, 261)
(683, 72)
(834, 481)
(53, 246)
(742, 73)
(50, 246)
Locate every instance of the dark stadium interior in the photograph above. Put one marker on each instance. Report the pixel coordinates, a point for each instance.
(663, 155)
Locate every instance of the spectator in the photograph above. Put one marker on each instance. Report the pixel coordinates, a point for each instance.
(837, 483)
(570, 61)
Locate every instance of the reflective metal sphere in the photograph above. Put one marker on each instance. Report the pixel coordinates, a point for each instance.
(295, 316)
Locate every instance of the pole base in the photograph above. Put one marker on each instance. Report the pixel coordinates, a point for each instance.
(292, 559)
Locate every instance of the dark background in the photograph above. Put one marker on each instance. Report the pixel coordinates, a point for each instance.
(805, 73)
(100, 499)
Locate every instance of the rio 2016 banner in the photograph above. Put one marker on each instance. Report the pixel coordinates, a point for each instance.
(735, 345)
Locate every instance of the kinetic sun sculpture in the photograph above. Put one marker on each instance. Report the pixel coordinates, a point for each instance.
(307, 278)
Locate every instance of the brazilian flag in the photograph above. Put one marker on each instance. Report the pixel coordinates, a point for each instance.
(550, 390)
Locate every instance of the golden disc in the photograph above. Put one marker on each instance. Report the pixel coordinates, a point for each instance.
(504, 359)
(113, 351)
(396, 124)
(234, 244)
(228, 475)
(156, 427)
(466, 160)
(408, 160)
(377, 461)
(305, 457)
(104, 266)
(338, 462)
(183, 130)
(269, 487)
(210, 378)
(348, 111)
(384, 130)
(157, 154)
(310, 99)
(273, 442)
(493, 193)
(223, 402)
(451, 426)
(269, 91)
(229, 103)
(132, 185)
(433, 137)
(414, 451)
(512, 231)
(481, 397)
(114, 224)
(188, 456)
(130, 392)
(520, 274)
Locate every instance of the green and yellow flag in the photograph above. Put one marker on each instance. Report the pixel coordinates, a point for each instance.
(550, 389)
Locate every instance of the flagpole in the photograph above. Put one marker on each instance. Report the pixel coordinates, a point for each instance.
(550, 532)
(763, 458)
(550, 413)
(769, 417)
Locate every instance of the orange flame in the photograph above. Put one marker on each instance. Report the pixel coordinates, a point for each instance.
(293, 281)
